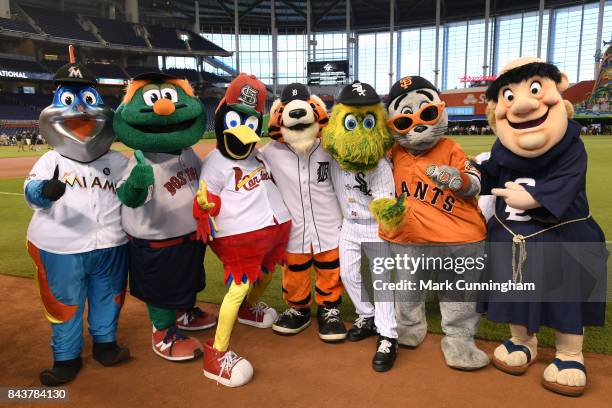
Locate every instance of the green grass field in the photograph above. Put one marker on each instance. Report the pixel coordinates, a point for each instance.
(15, 215)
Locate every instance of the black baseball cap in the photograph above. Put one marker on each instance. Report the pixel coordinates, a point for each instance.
(154, 76)
(409, 84)
(295, 91)
(73, 73)
(358, 94)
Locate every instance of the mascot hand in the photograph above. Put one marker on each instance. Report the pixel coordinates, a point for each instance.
(516, 196)
(445, 177)
(53, 188)
(389, 213)
(141, 176)
(202, 197)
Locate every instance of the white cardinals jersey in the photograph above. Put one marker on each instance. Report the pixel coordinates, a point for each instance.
(88, 216)
(249, 198)
(355, 191)
(306, 186)
(167, 212)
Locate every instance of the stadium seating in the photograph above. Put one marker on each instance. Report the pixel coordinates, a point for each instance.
(16, 25)
(165, 37)
(134, 70)
(118, 32)
(21, 65)
(106, 70)
(200, 43)
(213, 78)
(59, 24)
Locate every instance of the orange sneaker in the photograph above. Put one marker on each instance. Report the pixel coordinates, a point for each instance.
(195, 319)
(171, 344)
(226, 367)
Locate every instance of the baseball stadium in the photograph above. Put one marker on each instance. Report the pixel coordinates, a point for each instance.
(200, 199)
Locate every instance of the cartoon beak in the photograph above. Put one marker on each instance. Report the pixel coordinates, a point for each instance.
(243, 133)
(80, 127)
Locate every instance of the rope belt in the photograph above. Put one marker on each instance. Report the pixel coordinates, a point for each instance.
(518, 241)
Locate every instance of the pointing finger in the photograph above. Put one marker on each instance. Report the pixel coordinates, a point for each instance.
(500, 192)
(139, 157)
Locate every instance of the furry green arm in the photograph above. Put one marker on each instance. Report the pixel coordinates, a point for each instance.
(389, 213)
(134, 191)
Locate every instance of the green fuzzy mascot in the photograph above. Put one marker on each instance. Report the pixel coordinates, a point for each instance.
(161, 119)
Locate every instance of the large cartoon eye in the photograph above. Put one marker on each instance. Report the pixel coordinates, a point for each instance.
(252, 122)
(369, 121)
(406, 110)
(350, 122)
(232, 119)
(536, 87)
(89, 98)
(169, 93)
(151, 96)
(508, 95)
(67, 98)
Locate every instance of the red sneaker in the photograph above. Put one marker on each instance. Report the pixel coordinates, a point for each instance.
(195, 319)
(171, 344)
(259, 315)
(226, 367)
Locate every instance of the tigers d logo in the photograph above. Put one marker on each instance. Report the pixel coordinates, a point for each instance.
(248, 96)
(405, 82)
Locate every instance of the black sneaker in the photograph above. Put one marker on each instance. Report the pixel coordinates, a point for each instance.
(331, 326)
(292, 321)
(62, 372)
(110, 354)
(386, 351)
(362, 329)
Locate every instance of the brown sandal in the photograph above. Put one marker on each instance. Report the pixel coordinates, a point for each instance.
(567, 390)
(513, 370)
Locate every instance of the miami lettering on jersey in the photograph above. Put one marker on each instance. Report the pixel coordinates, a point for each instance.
(75, 181)
(251, 180)
(181, 179)
(431, 194)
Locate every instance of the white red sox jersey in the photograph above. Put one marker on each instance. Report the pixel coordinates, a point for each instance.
(305, 184)
(355, 191)
(88, 216)
(167, 211)
(249, 198)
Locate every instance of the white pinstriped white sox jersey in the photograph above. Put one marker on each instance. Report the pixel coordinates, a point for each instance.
(355, 192)
(306, 187)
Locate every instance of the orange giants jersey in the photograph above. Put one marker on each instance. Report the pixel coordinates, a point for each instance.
(434, 215)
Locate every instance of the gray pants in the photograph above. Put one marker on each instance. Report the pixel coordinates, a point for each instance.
(459, 316)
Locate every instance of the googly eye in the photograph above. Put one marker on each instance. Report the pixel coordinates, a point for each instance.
(535, 87)
(90, 98)
(151, 96)
(232, 119)
(369, 121)
(169, 93)
(252, 122)
(508, 95)
(67, 98)
(350, 122)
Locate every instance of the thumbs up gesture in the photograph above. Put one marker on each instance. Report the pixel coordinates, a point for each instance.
(202, 197)
(54, 188)
(141, 176)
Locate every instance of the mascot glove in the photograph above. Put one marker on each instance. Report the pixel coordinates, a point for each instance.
(445, 177)
(141, 176)
(203, 198)
(389, 213)
(53, 188)
(516, 196)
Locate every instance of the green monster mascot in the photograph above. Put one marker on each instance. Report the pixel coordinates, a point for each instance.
(161, 119)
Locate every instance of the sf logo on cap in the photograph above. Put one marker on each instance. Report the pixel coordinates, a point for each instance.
(248, 95)
(359, 89)
(405, 82)
(74, 72)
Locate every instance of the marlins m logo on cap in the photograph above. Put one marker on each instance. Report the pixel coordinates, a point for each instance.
(74, 72)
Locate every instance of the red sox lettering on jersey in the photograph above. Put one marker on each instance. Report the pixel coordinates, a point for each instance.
(181, 179)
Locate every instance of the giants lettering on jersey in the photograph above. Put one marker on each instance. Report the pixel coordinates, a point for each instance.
(74, 181)
(431, 194)
(181, 179)
(251, 180)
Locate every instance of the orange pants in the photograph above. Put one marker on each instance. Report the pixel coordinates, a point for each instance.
(297, 281)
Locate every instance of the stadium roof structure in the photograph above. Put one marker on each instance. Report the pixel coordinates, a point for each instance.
(330, 15)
